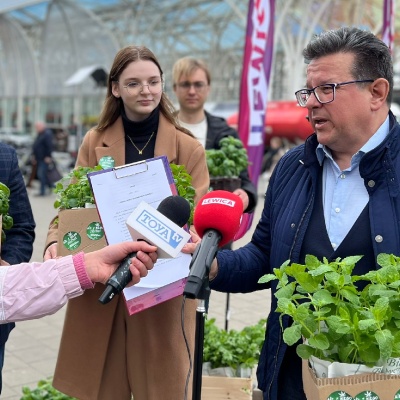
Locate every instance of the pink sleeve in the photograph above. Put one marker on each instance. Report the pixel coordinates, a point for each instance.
(79, 263)
(32, 290)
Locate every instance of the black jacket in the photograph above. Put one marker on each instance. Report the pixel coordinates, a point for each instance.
(217, 129)
(43, 145)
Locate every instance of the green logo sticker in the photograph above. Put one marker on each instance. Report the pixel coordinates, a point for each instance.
(397, 395)
(367, 395)
(106, 162)
(339, 395)
(72, 240)
(95, 231)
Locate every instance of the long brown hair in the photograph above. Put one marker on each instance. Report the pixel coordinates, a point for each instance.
(112, 105)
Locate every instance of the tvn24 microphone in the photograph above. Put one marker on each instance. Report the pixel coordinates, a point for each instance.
(216, 220)
(161, 227)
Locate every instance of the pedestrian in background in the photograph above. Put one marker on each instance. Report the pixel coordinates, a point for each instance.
(191, 83)
(42, 156)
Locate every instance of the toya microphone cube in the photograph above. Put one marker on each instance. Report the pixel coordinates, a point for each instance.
(146, 223)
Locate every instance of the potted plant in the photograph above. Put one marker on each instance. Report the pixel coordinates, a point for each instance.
(229, 358)
(226, 164)
(183, 184)
(79, 225)
(73, 190)
(343, 328)
(6, 220)
(44, 391)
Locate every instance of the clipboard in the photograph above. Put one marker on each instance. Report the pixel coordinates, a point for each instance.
(117, 192)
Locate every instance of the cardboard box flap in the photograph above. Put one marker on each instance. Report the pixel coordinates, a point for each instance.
(374, 386)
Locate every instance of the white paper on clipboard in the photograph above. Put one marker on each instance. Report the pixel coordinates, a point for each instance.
(117, 192)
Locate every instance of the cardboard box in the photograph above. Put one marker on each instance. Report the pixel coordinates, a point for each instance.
(79, 230)
(357, 387)
(226, 388)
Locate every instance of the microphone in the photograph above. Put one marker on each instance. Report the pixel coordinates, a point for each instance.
(216, 220)
(161, 227)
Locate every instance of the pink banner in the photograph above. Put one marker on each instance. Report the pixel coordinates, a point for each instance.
(256, 73)
(388, 24)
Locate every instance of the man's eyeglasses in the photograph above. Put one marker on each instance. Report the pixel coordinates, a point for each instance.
(323, 93)
(154, 86)
(198, 86)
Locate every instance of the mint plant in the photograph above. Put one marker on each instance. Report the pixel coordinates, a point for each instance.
(73, 190)
(44, 391)
(232, 348)
(338, 321)
(183, 183)
(228, 161)
(7, 220)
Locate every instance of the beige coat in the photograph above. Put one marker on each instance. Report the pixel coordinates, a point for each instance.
(104, 353)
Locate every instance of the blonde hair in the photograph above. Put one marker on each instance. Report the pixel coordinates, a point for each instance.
(186, 66)
(112, 105)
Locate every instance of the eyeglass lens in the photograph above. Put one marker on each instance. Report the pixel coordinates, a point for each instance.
(196, 85)
(154, 87)
(324, 94)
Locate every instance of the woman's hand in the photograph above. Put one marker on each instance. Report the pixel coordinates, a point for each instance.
(189, 248)
(51, 252)
(243, 196)
(101, 264)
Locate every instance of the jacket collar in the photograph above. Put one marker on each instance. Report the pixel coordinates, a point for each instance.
(114, 141)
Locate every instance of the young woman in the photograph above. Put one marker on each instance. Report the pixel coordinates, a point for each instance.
(144, 354)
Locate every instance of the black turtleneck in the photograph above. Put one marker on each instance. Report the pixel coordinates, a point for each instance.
(140, 132)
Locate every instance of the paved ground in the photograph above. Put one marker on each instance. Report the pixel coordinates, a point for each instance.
(31, 351)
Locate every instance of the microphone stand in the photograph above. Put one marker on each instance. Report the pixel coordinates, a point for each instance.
(201, 313)
(198, 287)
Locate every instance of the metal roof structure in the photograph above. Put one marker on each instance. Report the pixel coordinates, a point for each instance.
(57, 38)
(44, 43)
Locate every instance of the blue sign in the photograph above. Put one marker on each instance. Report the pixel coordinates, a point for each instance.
(164, 232)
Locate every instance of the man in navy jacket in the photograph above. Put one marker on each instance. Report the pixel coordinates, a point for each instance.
(336, 195)
(18, 246)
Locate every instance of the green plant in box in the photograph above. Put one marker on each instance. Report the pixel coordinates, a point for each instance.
(233, 348)
(73, 190)
(183, 183)
(7, 220)
(44, 391)
(228, 161)
(339, 321)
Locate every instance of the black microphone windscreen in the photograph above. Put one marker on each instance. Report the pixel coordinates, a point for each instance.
(175, 208)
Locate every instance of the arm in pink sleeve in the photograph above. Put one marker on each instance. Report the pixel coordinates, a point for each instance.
(33, 290)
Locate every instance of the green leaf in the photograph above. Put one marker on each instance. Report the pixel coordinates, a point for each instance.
(366, 324)
(292, 334)
(319, 341)
(385, 343)
(304, 351)
(267, 278)
(322, 298)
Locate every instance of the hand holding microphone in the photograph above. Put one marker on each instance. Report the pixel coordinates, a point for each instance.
(161, 227)
(216, 220)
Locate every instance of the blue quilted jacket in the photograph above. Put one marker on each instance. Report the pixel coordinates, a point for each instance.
(280, 232)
